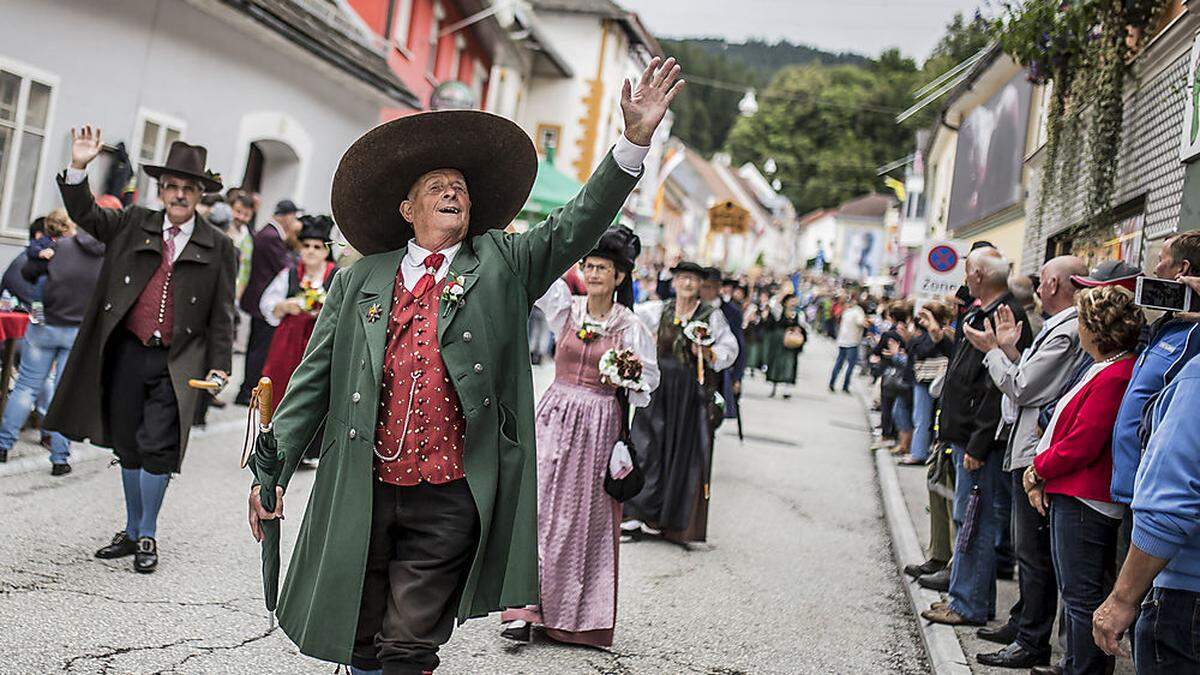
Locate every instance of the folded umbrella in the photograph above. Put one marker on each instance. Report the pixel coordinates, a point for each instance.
(970, 522)
(264, 462)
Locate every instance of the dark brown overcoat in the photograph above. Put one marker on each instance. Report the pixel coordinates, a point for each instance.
(202, 337)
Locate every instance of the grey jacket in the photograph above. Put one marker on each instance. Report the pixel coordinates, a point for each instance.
(1035, 381)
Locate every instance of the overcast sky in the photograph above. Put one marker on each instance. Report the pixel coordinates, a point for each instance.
(863, 26)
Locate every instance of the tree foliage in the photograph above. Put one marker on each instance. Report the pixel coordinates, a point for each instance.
(704, 114)
(829, 127)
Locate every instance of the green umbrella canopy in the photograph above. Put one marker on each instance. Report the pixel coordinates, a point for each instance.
(551, 189)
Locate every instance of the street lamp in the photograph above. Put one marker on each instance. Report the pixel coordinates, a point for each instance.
(748, 106)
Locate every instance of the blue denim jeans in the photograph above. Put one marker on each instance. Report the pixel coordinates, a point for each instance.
(902, 415)
(46, 348)
(847, 356)
(1084, 545)
(922, 421)
(1168, 633)
(973, 575)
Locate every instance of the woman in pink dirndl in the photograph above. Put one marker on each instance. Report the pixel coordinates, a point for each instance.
(578, 425)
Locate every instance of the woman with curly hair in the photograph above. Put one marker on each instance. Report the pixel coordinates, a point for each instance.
(1072, 471)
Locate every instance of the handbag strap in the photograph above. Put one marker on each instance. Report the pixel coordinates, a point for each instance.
(623, 402)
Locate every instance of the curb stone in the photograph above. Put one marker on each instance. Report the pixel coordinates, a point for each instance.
(946, 656)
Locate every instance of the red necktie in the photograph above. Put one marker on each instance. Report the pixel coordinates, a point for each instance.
(433, 261)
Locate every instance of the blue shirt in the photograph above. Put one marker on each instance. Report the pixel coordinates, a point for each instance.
(1170, 348)
(1166, 499)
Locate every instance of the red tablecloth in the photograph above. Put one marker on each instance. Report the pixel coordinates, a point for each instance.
(13, 325)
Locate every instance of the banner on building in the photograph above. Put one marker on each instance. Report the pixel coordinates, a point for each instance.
(728, 216)
(1190, 140)
(941, 269)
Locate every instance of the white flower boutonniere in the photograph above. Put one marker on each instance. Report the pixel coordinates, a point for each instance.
(453, 292)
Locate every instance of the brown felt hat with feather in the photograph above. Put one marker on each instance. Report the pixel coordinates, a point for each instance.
(496, 157)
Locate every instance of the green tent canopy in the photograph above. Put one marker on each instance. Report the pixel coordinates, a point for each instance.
(551, 189)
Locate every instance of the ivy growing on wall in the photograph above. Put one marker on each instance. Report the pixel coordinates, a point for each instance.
(1082, 49)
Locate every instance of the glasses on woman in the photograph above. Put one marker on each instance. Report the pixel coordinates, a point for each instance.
(313, 246)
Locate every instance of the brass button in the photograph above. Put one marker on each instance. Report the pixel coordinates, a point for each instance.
(487, 402)
(479, 367)
(467, 337)
(356, 397)
(353, 434)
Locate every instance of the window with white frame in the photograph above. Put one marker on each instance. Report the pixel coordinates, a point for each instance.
(154, 134)
(435, 28)
(26, 109)
(400, 12)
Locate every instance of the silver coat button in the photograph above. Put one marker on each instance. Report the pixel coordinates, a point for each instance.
(353, 434)
(107, 306)
(487, 402)
(356, 397)
(188, 330)
(126, 278)
(479, 367)
(467, 337)
(193, 300)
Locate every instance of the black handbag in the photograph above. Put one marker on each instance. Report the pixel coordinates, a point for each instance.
(624, 489)
(893, 382)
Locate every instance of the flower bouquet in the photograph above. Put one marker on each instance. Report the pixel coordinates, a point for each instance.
(622, 368)
(311, 299)
(701, 334)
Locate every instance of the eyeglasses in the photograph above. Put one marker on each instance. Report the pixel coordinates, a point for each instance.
(597, 267)
(318, 246)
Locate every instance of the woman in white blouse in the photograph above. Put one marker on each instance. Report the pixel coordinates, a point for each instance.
(579, 423)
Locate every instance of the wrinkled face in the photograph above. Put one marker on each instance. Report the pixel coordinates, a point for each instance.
(1168, 267)
(242, 215)
(600, 276)
(686, 285)
(179, 196)
(439, 206)
(313, 251)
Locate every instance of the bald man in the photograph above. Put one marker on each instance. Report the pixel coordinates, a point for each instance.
(1030, 380)
(970, 421)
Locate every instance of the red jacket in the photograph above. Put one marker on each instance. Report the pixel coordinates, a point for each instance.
(1078, 462)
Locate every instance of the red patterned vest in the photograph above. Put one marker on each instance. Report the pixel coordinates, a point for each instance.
(155, 306)
(420, 424)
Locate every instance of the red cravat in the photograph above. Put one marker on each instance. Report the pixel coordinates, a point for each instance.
(433, 261)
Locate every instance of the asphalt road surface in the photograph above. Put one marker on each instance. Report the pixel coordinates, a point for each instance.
(797, 576)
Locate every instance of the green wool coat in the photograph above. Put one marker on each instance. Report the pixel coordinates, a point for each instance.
(485, 348)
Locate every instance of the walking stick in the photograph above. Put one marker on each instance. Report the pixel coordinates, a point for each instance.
(264, 462)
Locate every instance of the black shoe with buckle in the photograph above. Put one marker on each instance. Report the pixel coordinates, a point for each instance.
(518, 631)
(146, 558)
(120, 547)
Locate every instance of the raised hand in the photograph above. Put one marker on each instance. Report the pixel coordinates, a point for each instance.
(644, 107)
(1008, 329)
(85, 145)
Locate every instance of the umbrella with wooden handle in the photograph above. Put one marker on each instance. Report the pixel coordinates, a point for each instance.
(264, 462)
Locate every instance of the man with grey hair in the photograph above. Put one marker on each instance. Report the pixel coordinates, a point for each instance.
(969, 420)
(1030, 380)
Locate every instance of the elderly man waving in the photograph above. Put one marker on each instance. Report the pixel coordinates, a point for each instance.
(424, 508)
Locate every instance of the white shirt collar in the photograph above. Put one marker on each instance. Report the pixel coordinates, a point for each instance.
(416, 254)
(185, 229)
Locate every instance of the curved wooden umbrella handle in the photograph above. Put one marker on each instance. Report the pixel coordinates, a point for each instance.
(262, 393)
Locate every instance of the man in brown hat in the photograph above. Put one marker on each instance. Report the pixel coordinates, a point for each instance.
(424, 506)
(161, 313)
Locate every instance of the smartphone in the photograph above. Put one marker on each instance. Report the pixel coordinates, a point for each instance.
(1170, 296)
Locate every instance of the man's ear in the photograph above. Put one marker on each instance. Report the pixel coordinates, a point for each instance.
(406, 210)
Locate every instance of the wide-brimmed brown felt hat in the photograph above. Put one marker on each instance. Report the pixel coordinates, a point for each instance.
(496, 157)
(187, 161)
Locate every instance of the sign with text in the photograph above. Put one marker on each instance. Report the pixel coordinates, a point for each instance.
(941, 269)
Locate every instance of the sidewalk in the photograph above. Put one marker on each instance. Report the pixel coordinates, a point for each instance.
(913, 523)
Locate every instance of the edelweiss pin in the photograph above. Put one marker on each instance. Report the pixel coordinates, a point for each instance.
(374, 312)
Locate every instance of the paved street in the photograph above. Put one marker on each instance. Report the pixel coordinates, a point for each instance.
(797, 577)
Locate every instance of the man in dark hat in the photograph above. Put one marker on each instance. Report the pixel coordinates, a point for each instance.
(161, 314)
(731, 377)
(424, 507)
(272, 252)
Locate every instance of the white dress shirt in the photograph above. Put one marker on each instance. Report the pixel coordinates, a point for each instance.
(724, 346)
(629, 156)
(413, 265)
(77, 176)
